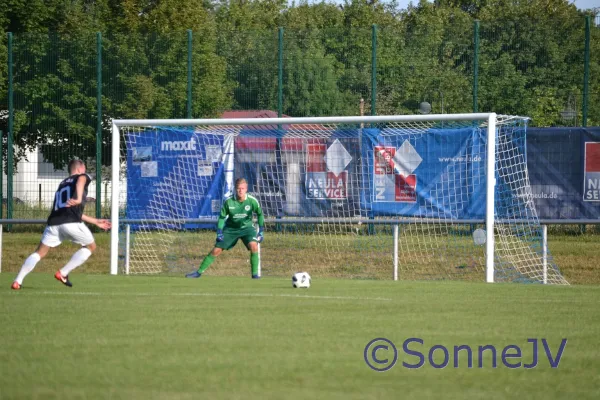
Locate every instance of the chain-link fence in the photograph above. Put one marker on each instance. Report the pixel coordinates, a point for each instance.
(62, 91)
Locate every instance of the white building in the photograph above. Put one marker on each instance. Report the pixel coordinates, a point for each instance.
(35, 182)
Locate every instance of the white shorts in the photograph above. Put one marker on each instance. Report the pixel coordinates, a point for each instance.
(76, 232)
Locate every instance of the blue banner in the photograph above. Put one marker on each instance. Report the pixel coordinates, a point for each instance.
(440, 174)
(174, 174)
(564, 172)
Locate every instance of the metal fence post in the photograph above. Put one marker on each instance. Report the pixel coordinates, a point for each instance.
(374, 69)
(475, 65)
(189, 73)
(280, 73)
(98, 124)
(586, 71)
(9, 141)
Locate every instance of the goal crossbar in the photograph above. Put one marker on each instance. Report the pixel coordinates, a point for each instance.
(303, 120)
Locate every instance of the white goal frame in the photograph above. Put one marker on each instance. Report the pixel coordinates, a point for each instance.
(490, 166)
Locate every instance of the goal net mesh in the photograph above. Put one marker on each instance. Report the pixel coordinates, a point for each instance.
(333, 195)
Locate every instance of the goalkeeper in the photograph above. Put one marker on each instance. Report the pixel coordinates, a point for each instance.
(235, 222)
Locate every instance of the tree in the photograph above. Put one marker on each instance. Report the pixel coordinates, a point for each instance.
(310, 80)
(531, 61)
(144, 69)
(248, 42)
(528, 50)
(427, 58)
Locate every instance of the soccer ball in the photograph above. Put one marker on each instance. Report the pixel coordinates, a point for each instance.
(301, 280)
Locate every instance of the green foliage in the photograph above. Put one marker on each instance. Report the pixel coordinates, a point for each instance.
(530, 62)
(310, 84)
(439, 56)
(529, 51)
(545, 108)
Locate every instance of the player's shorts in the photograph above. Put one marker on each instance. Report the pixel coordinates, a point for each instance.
(76, 232)
(231, 236)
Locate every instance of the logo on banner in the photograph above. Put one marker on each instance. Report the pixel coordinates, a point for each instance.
(394, 180)
(591, 173)
(326, 175)
(178, 145)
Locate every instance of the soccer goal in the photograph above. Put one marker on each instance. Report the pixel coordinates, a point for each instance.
(402, 197)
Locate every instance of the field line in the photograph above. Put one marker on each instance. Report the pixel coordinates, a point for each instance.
(207, 294)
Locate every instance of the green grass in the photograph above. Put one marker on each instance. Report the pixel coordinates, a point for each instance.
(346, 256)
(237, 338)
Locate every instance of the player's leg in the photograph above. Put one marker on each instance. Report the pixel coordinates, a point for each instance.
(78, 233)
(77, 259)
(229, 240)
(29, 264)
(208, 260)
(253, 247)
(251, 242)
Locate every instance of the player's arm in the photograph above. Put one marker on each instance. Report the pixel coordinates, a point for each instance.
(79, 188)
(222, 216)
(259, 214)
(100, 223)
(261, 220)
(221, 222)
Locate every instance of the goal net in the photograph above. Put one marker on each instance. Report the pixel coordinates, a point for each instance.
(402, 197)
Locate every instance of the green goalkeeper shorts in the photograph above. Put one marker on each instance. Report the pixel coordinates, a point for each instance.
(231, 236)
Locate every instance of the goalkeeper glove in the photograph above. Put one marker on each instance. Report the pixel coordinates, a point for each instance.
(220, 236)
(260, 236)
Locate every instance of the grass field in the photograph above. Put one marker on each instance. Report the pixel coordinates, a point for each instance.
(235, 338)
(577, 256)
(225, 336)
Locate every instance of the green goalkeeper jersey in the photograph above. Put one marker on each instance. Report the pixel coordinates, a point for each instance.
(238, 214)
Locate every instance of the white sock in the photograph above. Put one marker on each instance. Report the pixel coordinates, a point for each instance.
(78, 258)
(27, 267)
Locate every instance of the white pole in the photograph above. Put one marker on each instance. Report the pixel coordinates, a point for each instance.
(114, 207)
(303, 120)
(228, 163)
(396, 252)
(491, 184)
(545, 252)
(127, 244)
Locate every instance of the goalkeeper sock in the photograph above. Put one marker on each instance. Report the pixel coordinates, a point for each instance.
(78, 258)
(27, 267)
(206, 263)
(254, 263)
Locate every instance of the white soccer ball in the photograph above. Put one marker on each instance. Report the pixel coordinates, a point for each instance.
(479, 237)
(301, 280)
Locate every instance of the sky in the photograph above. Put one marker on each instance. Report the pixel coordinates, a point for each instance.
(584, 4)
(581, 4)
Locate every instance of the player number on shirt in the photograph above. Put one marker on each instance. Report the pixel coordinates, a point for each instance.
(62, 196)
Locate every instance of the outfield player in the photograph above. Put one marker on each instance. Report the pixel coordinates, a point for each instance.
(235, 222)
(66, 222)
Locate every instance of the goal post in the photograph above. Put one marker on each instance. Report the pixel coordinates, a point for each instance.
(490, 169)
(420, 196)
